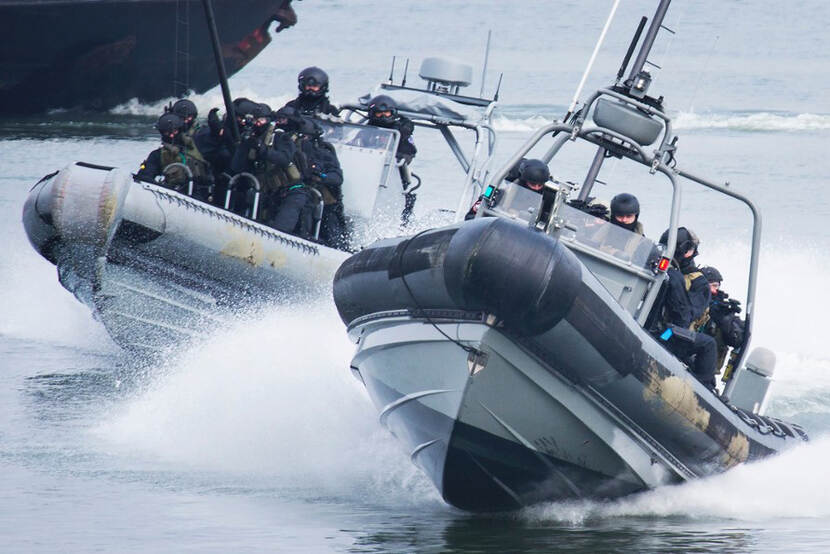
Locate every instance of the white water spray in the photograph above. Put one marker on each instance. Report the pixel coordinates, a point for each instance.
(274, 398)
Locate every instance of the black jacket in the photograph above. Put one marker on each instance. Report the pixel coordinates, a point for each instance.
(216, 149)
(406, 146)
(682, 307)
(151, 167)
(323, 167)
(252, 152)
(310, 106)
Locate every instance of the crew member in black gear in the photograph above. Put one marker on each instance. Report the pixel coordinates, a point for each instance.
(625, 212)
(724, 323)
(215, 142)
(313, 99)
(383, 112)
(176, 148)
(186, 109)
(324, 174)
(261, 154)
(531, 174)
(685, 309)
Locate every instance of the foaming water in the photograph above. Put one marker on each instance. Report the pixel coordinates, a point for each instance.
(763, 121)
(793, 484)
(273, 398)
(204, 102)
(684, 121)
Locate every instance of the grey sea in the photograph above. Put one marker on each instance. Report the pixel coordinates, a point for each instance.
(259, 440)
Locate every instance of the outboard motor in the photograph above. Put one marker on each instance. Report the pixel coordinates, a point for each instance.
(749, 392)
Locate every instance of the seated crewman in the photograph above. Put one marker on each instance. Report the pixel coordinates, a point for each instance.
(175, 149)
(532, 174)
(313, 85)
(723, 323)
(383, 112)
(685, 306)
(625, 212)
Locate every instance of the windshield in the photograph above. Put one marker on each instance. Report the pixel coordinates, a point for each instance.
(596, 233)
(365, 136)
(518, 202)
(366, 156)
(600, 234)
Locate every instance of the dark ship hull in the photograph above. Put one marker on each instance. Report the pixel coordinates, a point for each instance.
(98, 54)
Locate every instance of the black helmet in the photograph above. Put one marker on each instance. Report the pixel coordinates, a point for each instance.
(313, 76)
(712, 275)
(378, 108)
(287, 118)
(686, 240)
(170, 127)
(244, 109)
(185, 109)
(261, 110)
(533, 171)
(625, 204)
(309, 127)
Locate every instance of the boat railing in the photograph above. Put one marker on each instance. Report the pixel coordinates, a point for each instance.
(182, 167)
(660, 161)
(247, 182)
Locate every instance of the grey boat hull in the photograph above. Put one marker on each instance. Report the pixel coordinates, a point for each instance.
(159, 268)
(510, 387)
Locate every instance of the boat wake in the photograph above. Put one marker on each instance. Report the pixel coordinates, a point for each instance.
(271, 398)
(792, 484)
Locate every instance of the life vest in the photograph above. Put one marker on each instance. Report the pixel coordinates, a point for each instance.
(273, 179)
(188, 155)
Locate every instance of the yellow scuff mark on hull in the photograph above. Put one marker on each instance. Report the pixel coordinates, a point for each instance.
(737, 452)
(107, 207)
(244, 247)
(676, 395)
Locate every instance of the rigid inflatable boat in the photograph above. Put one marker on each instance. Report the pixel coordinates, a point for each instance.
(511, 353)
(160, 267)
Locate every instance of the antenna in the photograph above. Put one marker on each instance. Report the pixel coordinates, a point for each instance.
(486, 58)
(392, 71)
(220, 68)
(631, 47)
(405, 70)
(591, 61)
(648, 42)
(498, 88)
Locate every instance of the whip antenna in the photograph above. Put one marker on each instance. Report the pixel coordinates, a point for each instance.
(631, 47)
(486, 58)
(392, 72)
(575, 101)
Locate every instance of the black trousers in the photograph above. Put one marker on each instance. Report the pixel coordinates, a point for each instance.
(699, 351)
(333, 229)
(705, 349)
(293, 214)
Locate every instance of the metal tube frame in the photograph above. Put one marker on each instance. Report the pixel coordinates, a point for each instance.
(656, 163)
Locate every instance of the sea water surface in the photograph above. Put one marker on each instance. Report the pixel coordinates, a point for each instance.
(260, 439)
